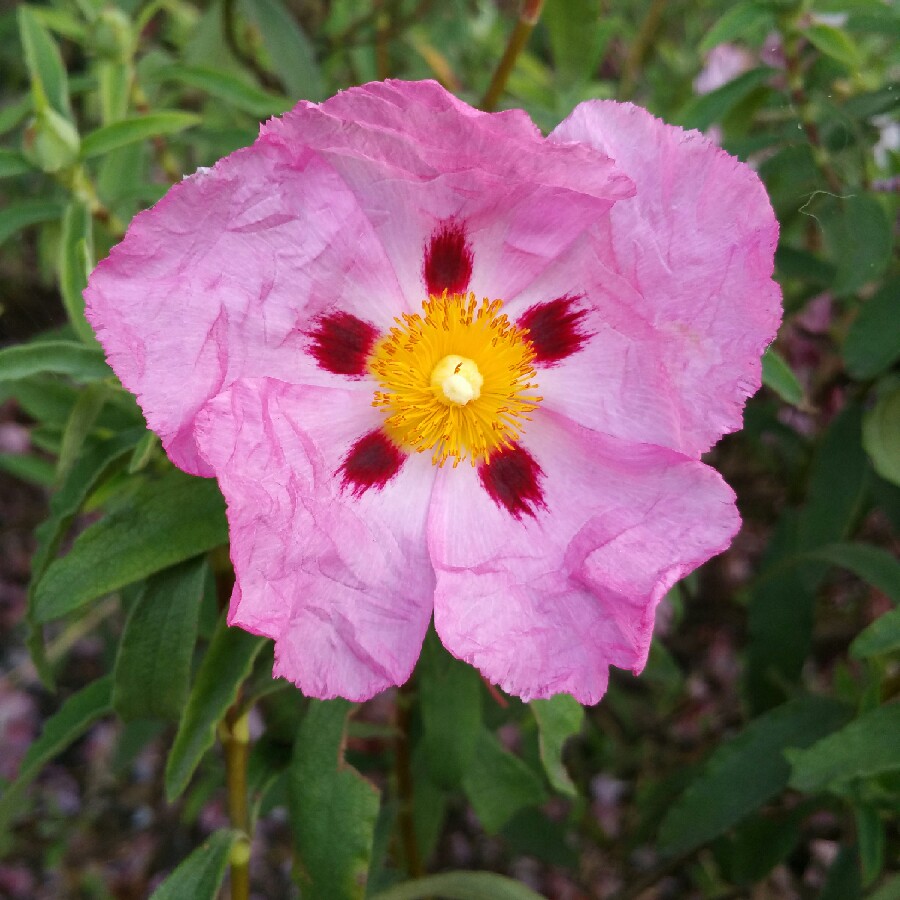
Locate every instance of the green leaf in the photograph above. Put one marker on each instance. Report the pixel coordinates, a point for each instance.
(64, 504)
(758, 844)
(114, 83)
(227, 87)
(558, 719)
(460, 886)
(834, 42)
(200, 875)
(890, 890)
(75, 244)
(132, 131)
(882, 636)
(153, 665)
(778, 377)
(575, 40)
(65, 726)
(168, 520)
(28, 468)
(499, 784)
(742, 22)
(837, 484)
(746, 772)
(60, 357)
(703, 111)
(450, 706)
(81, 421)
(865, 747)
(289, 49)
(16, 216)
(871, 837)
(44, 62)
(15, 113)
(333, 808)
(143, 453)
(226, 665)
(881, 435)
(780, 619)
(858, 235)
(872, 345)
(876, 566)
(13, 163)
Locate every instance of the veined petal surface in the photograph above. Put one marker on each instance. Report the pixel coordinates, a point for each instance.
(545, 603)
(691, 254)
(331, 210)
(341, 581)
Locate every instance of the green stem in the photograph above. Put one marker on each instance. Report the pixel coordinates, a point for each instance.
(528, 18)
(641, 48)
(230, 27)
(234, 733)
(791, 44)
(82, 188)
(403, 772)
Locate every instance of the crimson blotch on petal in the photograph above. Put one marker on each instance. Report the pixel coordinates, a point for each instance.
(444, 366)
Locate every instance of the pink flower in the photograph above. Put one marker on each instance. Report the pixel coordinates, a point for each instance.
(441, 364)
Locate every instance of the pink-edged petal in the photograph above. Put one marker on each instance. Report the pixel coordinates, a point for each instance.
(224, 279)
(331, 211)
(341, 580)
(545, 603)
(421, 158)
(615, 382)
(691, 253)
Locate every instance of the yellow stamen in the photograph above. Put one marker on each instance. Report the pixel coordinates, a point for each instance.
(456, 379)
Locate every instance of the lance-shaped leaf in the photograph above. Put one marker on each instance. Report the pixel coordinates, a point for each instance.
(226, 665)
(200, 875)
(168, 520)
(153, 665)
(746, 772)
(333, 808)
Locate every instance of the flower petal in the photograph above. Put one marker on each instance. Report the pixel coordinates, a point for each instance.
(224, 278)
(692, 253)
(341, 581)
(420, 157)
(545, 604)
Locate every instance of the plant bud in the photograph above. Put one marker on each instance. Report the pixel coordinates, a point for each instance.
(50, 141)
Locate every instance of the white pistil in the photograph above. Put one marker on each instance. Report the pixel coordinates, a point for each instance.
(456, 379)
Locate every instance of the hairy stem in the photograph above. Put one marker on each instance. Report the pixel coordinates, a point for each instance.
(528, 18)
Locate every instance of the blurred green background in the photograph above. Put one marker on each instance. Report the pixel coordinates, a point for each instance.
(758, 756)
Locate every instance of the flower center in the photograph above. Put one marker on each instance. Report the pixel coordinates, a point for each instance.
(455, 379)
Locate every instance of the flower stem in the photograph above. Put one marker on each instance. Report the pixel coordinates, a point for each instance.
(403, 772)
(791, 47)
(528, 18)
(640, 48)
(235, 736)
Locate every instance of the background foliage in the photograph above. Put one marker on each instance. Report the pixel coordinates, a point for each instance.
(757, 755)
